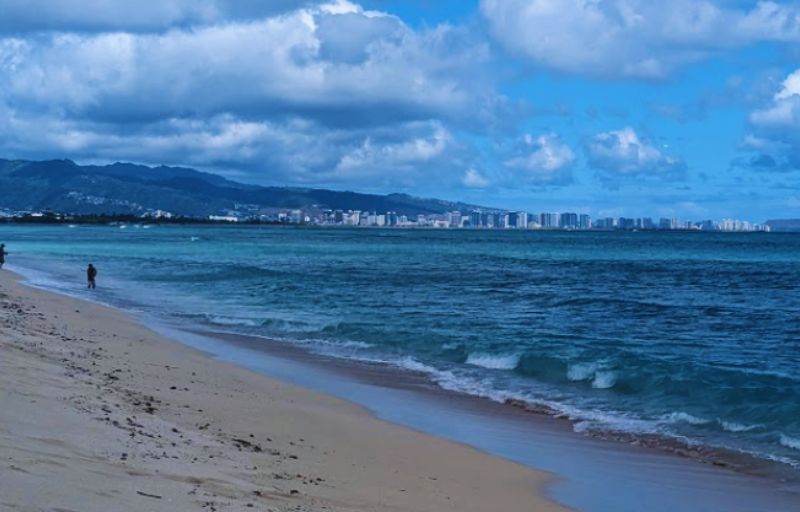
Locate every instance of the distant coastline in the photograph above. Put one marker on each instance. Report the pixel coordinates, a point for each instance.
(53, 218)
(53, 191)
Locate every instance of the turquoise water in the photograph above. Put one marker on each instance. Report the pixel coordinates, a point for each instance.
(691, 336)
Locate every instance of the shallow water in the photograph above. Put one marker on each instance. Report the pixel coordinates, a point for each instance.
(691, 336)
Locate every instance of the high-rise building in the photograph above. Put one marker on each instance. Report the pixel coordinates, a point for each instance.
(568, 220)
(626, 223)
(584, 221)
(475, 219)
(516, 220)
(511, 219)
(549, 220)
(454, 219)
(707, 225)
(605, 223)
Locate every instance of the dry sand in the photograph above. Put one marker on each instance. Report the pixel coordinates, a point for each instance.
(98, 413)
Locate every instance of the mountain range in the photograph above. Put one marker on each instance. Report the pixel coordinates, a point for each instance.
(124, 188)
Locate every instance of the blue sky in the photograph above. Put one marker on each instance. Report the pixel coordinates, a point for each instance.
(686, 109)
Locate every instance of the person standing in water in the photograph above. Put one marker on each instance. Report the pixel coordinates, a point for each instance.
(2, 255)
(91, 274)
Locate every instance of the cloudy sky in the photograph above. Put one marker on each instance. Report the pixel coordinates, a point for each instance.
(686, 108)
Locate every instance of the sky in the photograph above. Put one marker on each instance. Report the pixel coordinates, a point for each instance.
(686, 109)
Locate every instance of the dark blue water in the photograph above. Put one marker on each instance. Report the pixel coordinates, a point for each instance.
(691, 336)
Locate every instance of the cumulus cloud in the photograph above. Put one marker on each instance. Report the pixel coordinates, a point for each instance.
(775, 136)
(542, 160)
(632, 38)
(330, 93)
(473, 178)
(783, 111)
(399, 159)
(622, 153)
(254, 68)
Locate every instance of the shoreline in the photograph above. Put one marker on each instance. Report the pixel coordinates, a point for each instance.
(403, 378)
(106, 414)
(594, 475)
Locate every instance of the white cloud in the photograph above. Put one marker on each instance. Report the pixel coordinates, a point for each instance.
(545, 159)
(287, 62)
(784, 110)
(325, 94)
(474, 179)
(775, 134)
(623, 153)
(632, 38)
(790, 87)
(390, 158)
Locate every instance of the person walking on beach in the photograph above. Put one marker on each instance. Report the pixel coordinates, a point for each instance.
(2, 255)
(91, 274)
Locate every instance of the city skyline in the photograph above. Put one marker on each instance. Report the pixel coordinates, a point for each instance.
(686, 109)
(494, 219)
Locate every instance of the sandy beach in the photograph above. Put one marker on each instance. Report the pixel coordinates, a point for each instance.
(100, 413)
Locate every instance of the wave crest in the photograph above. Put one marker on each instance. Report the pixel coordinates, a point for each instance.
(494, 361)
(605, 379)
(684, 417)
(790, 442)
(581, 371)
(600, 376)
(232, 321)
(732, 426)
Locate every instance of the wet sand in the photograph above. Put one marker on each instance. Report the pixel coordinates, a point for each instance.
(98, 412)
(594, 475)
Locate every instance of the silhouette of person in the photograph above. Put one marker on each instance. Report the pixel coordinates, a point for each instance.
(91, 274)
(2, 255)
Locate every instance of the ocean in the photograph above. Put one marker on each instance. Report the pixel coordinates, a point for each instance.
(693, 338)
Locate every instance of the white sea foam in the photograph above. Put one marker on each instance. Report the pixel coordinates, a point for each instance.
(732, 426)
(588, 421)
(604, 379)
(597, 373)
(494, 361)
(684, 417)
(790, 442)
(231, 321)
(339, 344)
(409, 363)
(352, 344)
(450, 380)
(581, 371)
